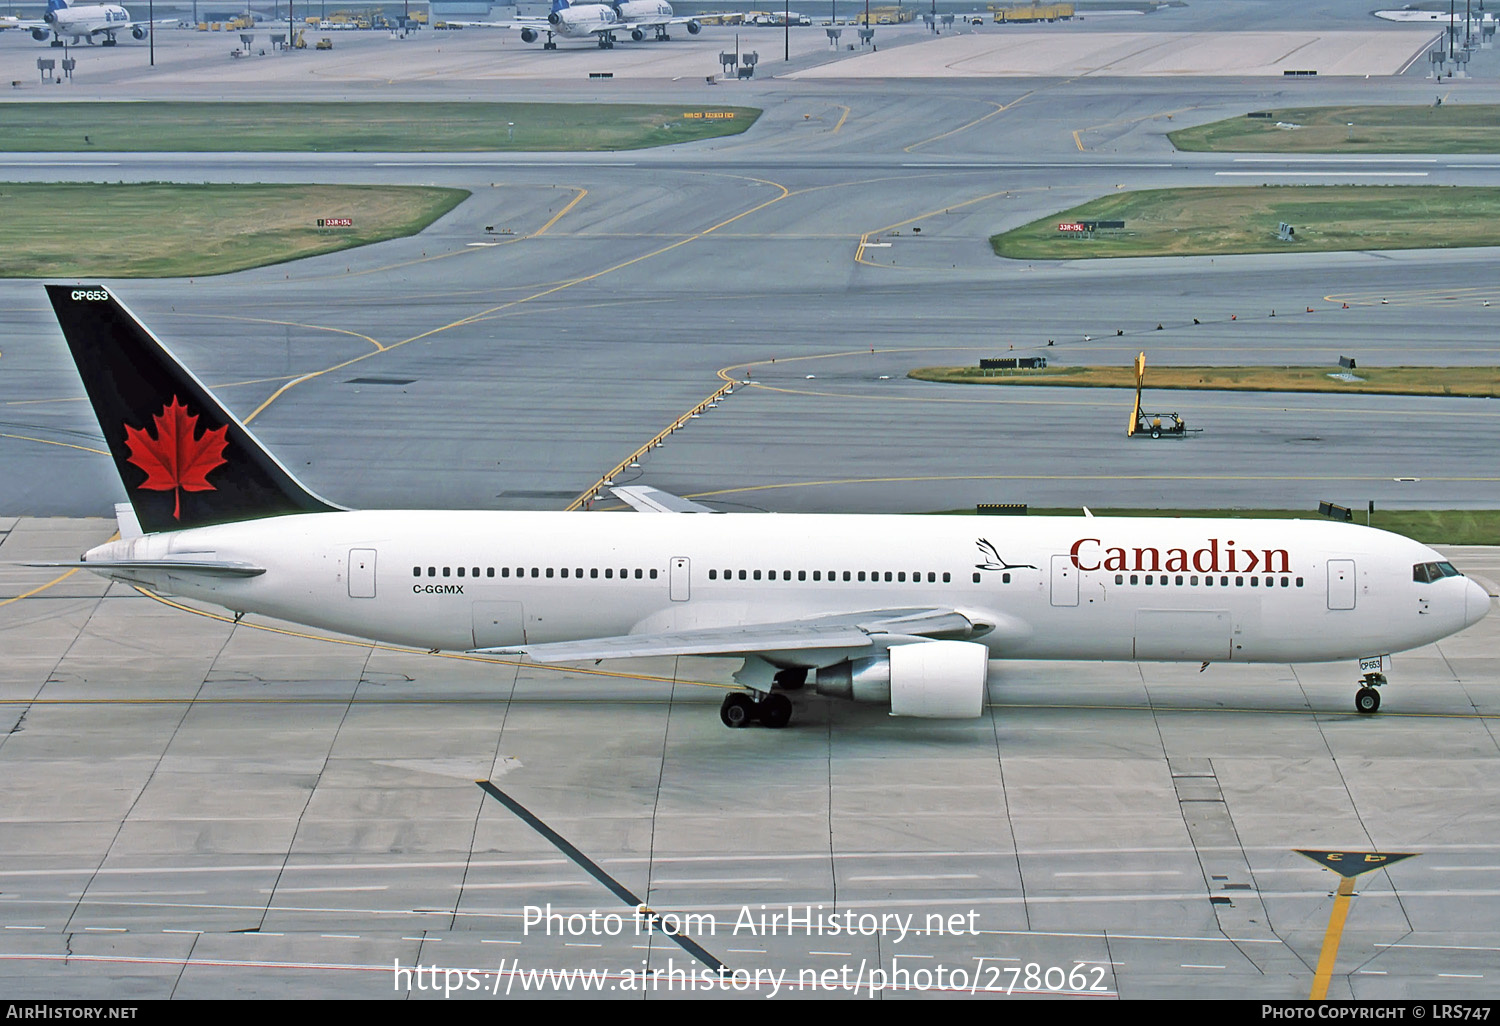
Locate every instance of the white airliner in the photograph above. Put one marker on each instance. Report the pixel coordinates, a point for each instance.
(566, 20)
(103, 20)
(902, 610)
(655, 15)
(580, 21)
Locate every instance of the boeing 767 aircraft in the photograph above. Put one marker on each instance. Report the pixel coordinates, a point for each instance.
(902, 610)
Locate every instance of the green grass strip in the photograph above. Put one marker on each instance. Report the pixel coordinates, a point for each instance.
(359, 127)
(1450, 128)
(164, 230)
(1211, 221)
(1475, 382)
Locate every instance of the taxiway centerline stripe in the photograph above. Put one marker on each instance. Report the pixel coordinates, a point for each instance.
(1331, 939)
(1000, 108)
(559, 215)
(35, 591)
(48, 441)
(473, 318)
(289, 324)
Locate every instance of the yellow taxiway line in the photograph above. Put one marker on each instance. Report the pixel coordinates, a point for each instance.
(1000, 108)
(1331, 939)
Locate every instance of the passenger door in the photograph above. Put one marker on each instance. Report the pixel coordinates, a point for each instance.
(1341, 584)
(681, 583)
(361, 573)
(1064, 581)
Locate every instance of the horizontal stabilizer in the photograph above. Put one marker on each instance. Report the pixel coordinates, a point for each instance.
(210, 567)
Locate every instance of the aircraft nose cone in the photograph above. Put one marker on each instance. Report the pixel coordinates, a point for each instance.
(1476, 603)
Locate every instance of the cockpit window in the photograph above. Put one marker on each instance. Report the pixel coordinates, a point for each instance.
(1426, 573)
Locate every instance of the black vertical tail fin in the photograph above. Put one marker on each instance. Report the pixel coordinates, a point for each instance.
(185, 460)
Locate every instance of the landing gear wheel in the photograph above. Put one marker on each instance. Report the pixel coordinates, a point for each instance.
(775, 711)
(737, 711)
(1367, 700)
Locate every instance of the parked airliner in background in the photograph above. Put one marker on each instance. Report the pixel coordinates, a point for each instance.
(103, 20)
(656, 15)
(605, 20)
(902, 610)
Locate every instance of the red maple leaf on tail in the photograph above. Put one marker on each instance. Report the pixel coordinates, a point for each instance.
(175, 461)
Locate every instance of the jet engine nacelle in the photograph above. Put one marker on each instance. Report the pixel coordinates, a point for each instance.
(139, 32)
(637, 34)
(694, 27)
(554, 18)
(528, 35)
(933, 679)
(40, 34)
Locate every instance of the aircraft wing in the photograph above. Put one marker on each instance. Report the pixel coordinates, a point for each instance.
(514, 23)
(652, 22)
(653, 500)
(846, 630)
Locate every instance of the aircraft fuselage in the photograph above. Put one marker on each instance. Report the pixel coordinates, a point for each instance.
(1062, 588)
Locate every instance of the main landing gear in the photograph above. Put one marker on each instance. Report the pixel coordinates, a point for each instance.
(740, 710)
(1367, 699)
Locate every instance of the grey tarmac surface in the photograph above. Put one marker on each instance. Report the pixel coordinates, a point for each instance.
(195, 808)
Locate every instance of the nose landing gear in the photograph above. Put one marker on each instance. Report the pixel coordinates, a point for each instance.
(1367, 699)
